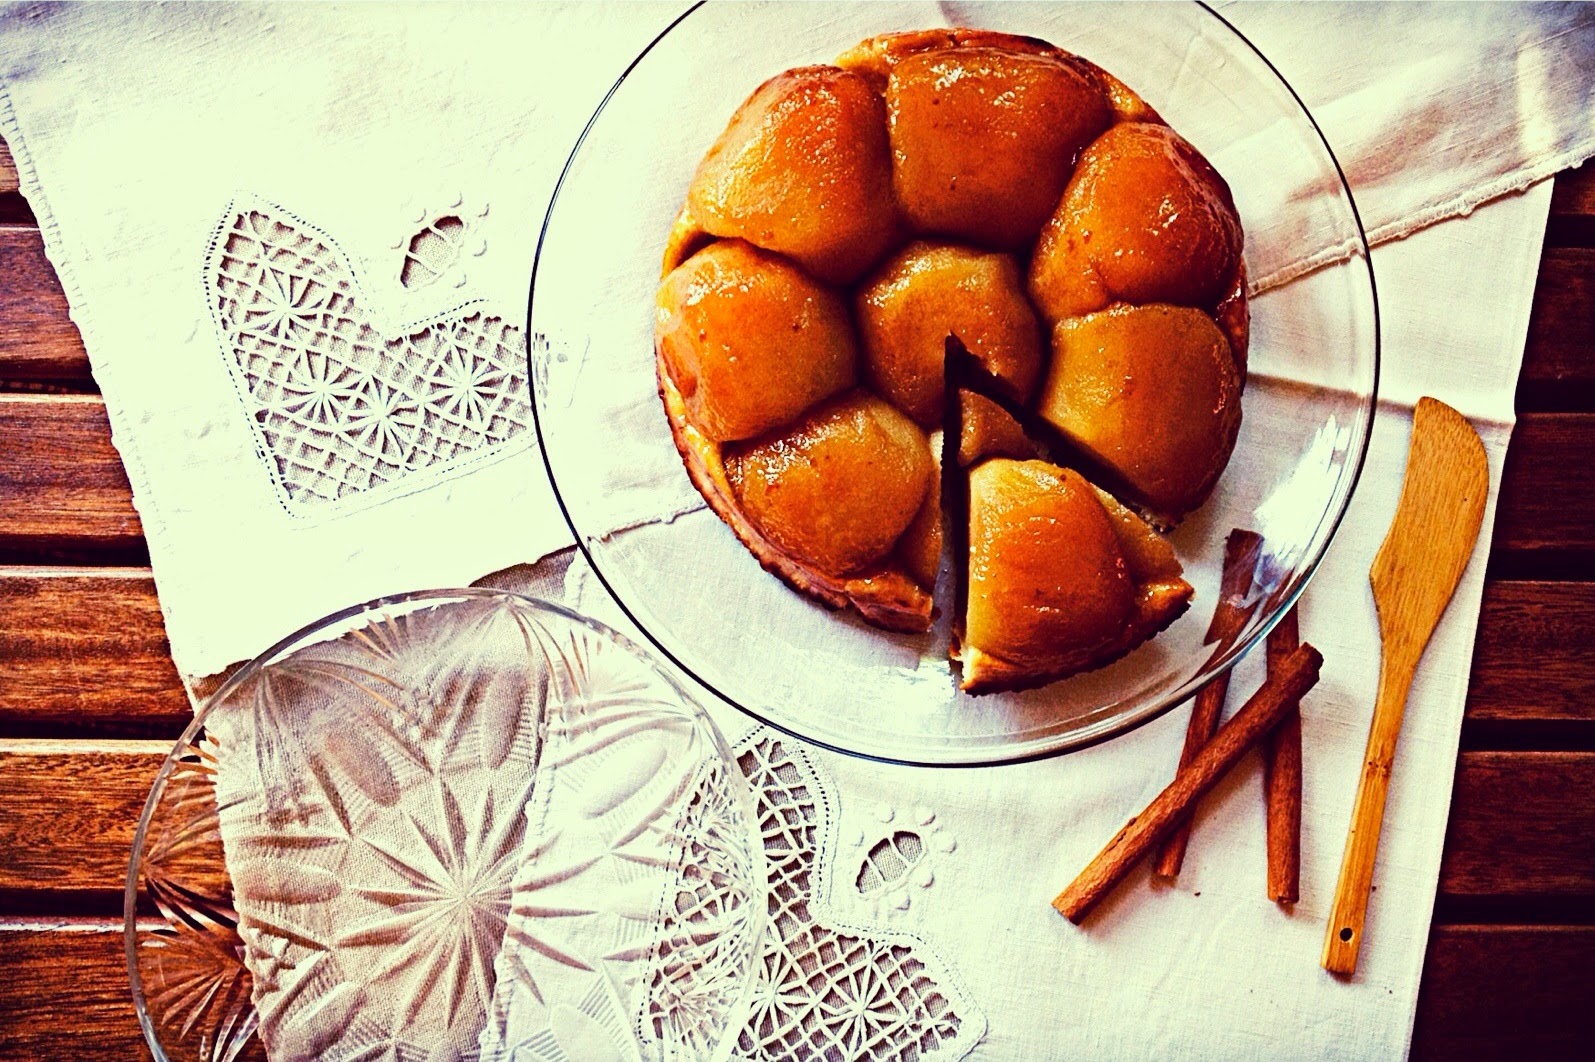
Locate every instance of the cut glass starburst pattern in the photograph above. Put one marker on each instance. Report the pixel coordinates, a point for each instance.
(455, 812)
(342, 408)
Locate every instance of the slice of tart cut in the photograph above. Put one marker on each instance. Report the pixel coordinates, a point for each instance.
(927, 291)
(989, 504)
(1154, 393)
(1061, 579)
(804, 169)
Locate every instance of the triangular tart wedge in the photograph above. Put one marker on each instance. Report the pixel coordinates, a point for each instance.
(1059, 577)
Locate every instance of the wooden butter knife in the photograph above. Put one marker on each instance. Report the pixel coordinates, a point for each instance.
(1413, 576)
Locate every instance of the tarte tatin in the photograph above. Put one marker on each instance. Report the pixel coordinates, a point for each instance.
(1002, 191)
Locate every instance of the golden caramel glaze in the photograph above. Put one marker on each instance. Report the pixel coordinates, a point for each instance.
(1145, 219)
(920, 548)
(838, 489)
(984, 140)
(878, 56)
(1049, 590)
(803, 169)
(926, 291)
(750, 340)
(1161, 594)
(1233, 315)
(986, 430)
(1152, 391)
(886, 597)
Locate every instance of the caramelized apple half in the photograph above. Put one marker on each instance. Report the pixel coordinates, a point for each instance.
(984, 139)
(1144, 219)
(838, 489)
(1154, 393)
(803, 169)
(928, 291)
(749, 340)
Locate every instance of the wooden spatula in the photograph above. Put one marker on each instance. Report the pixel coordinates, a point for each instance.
(1416, 571)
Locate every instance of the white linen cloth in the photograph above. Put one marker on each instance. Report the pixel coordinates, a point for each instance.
(231, 197)
(1207, 968)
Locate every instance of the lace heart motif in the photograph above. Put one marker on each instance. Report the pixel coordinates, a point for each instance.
(345, 412)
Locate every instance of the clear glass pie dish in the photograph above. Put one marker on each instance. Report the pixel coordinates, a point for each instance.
(704, 600)
(450, 824)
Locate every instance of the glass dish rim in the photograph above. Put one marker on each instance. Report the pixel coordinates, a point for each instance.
(1156, 706)
(440, 595)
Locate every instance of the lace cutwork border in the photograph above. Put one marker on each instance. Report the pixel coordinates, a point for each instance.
(345, 408)
(825, 988)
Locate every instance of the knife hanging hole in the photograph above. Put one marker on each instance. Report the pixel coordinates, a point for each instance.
(1346, 934)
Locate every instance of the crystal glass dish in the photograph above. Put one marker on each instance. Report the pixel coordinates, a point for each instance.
(451, 824)
(703, 599)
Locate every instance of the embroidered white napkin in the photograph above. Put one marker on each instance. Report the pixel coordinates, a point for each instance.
(296, 240)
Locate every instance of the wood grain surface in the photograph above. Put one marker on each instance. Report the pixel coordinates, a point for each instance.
(86, 655)
(82, 662)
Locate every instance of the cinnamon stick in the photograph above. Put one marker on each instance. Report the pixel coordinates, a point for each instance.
(1296, 675)
(1282, 778)
(1230, 613)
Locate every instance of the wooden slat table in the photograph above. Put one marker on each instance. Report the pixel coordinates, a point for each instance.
(89, 700)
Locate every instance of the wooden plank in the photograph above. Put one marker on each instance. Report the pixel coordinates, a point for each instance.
(1532, 659)
(62, 484)
(85, 654)
(1522, 823)
(1522, 826)
(61, 481)
(1510, 992)
(1560, 349)
(1547, 500)
(1573, 194)
(65, 992)
(68, 811)
(1488, 992)
(38, 340)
